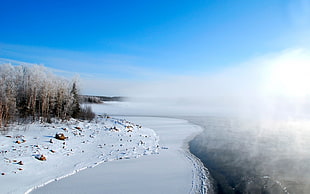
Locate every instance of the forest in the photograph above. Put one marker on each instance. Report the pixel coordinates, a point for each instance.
(34, 93)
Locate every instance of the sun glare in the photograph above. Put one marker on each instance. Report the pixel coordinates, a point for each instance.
(289, 77)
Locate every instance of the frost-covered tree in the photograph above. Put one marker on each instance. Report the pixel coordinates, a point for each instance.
(33, 92)
(7, 94)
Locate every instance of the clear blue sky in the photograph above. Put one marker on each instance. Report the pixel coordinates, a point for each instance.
(171, 37)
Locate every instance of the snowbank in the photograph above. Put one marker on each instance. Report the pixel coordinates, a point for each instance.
(173, 170)
(87, 144)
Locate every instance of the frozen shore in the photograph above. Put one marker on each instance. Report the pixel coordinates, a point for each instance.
(32, 156)
(109, 150)
(173, 170)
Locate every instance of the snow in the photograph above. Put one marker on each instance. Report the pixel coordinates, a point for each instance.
(88, 144)
(173, 170)
(106, 154)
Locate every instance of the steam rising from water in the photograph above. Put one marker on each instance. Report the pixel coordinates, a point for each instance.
(251, 156)
(256, 120)
(275, 85)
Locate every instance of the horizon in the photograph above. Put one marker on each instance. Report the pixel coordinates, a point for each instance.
(217, 94)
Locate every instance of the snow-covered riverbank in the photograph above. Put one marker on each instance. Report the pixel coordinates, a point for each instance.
(166, 167)
(88, 144)
(173, 170)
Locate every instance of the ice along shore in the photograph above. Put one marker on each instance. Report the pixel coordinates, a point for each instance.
(173, 170)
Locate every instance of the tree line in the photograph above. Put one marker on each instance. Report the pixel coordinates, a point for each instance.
(99, 99)
(33, 92)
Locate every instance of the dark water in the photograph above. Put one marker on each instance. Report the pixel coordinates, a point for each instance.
(251, 156)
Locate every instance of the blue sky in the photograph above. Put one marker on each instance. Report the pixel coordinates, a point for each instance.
(144, 40)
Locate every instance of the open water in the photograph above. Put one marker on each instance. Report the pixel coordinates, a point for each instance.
(254, 156)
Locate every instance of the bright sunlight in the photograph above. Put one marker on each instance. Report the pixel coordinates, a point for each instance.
(289, 75)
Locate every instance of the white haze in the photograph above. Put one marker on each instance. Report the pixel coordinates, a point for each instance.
(274, 85)
(262, 140)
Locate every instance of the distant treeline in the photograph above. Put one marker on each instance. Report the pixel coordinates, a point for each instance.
(33, 92)
(99, 99)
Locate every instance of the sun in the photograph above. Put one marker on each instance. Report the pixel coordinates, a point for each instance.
(289, 76)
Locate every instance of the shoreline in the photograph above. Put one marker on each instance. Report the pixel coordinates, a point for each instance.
(201, 174)
(207, 188)
(198, 174)
(226, 158)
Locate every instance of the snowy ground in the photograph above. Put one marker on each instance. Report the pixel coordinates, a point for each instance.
(167, 166)
(88, 144)
(173, 170)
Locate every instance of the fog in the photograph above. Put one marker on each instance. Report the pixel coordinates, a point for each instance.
(255, 156)
(255, 116)
(270, 85)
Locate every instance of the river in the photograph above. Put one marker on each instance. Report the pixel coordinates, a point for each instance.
(254, 156)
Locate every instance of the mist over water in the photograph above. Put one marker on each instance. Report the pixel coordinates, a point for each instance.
(245, 153)
(255, 156)
(256, 119)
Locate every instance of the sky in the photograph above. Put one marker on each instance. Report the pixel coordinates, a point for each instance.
(136, 47)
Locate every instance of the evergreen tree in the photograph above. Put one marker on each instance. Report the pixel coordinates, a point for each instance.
(76, 109)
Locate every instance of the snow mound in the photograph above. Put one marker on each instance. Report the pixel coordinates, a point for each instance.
(34, 155)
